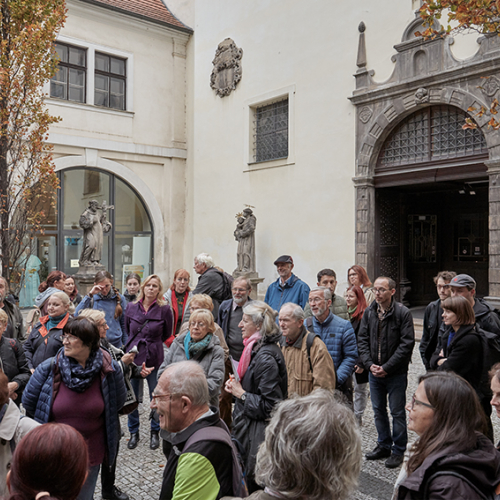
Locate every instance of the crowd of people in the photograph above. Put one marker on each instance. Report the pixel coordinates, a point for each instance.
(249, 398)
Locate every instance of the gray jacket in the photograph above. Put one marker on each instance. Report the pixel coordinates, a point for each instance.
(211, 360)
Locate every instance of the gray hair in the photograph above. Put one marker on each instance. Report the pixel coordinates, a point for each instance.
(93, 314)
(312, 449)
(187, 378)
(326, 291)
(62, 296)
(263, 317)
(5, 283)
(245, 279)
(297, 311)
(204, 258)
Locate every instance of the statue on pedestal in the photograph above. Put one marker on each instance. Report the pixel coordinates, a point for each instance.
(93, 225)
(245, 236)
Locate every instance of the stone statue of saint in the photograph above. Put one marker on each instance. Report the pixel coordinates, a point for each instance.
(245, 236)
(93, 225)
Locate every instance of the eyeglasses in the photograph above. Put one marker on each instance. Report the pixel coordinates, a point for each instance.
(154, 396)
(380, 290)
(104, 324)
(415, 401)
(352, 274)
(241, 290)
(316, 300)
(68, 337)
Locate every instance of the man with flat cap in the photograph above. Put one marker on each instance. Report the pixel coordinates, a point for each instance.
(288, 287)
(486, 317)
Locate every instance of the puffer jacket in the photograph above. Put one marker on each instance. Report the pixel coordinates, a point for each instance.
(340, 340)
(116, 334)
(338, 307)
(301, 380)
(39, 394)
(211, 360)
(13, 363)
(266, 384)
(391, 349)
(480, 465)
(39, 348)
(294, 290)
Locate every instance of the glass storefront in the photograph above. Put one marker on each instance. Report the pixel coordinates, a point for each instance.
(127, 246)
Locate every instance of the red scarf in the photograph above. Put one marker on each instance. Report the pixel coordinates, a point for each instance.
(175, 310)
(247, 354)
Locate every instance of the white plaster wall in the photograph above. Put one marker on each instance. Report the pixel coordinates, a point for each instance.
(305, 209)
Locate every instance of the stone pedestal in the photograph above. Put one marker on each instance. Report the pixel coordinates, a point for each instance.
(254, 281)
(84, 278)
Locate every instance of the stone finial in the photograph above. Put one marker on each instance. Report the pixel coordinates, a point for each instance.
(361, 60)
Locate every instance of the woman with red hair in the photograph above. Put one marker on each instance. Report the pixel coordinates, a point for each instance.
(357, 276)
(356, 306)
(178, 297)
(49, 463)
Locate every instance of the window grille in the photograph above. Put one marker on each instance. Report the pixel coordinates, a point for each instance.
(432, 134)
(271, 131)
(69, 81)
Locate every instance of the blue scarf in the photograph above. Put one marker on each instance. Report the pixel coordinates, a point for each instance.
(77, 378)
(54, 321)
(192, 348)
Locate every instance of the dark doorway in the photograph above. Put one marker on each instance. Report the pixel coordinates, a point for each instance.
(423, 229)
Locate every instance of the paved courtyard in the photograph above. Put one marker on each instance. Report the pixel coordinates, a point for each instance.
(139, 471)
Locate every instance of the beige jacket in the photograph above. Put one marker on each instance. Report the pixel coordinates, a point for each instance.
(301, 380)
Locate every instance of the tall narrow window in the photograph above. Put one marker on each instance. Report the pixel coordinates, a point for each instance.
(271, 131)
(110, 81)
(69, 81)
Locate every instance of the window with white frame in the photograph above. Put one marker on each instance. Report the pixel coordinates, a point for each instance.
(69, 81)
(271, 131)
(110, 81)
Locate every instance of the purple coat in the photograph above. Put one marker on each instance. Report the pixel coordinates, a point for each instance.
(148, 339)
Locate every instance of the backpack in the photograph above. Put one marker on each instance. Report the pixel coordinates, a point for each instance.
(310, 339)
(221, 435)
(227, 285)
(491, 347)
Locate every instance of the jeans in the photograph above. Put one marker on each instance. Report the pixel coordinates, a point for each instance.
(360, 396)
(393, 386)
(133, 418)
(88, 488)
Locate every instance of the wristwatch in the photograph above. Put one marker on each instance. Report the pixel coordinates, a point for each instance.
(243, 396)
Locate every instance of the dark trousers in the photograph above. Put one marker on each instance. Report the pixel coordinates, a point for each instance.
(108, 474)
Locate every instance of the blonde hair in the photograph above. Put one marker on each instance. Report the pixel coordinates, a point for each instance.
(203, 315)
(159, 299)
(64, 298)
(204, 300)
(94, 315)
(4, 319)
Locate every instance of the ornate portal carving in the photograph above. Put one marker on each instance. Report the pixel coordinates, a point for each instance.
(490, 86)
(421, 96)
(227, 68)
(365, 114)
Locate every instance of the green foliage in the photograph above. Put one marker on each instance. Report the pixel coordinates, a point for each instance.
(28, 29)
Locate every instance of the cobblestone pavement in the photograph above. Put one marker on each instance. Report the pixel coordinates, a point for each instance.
(139, 471)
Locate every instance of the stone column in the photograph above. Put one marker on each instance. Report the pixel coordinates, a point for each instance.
(365, 223)
(494, 232)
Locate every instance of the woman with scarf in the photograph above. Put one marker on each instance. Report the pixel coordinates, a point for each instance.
(55, 282)
(178, 297)
(45, 339)
(356, 305)
(84, 388)
(105, 297)
(261, 383)
(149, 323)
(132, 285)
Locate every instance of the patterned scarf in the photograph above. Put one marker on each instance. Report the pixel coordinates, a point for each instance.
(246, 356)
(77, 378)
(192, 348)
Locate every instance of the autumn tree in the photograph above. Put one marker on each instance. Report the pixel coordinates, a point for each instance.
(28, 29)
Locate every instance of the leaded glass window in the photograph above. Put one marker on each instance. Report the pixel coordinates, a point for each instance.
(432, 134)
(271, 131)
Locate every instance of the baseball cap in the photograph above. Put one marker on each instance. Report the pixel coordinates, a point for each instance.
(285, 259)
(463, 280)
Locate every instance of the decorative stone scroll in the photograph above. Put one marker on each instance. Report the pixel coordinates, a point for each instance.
(227, 68)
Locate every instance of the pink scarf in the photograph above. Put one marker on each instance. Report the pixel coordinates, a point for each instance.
(246, 356)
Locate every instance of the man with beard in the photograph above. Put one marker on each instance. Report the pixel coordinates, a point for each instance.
(337, 334)
(15, 326)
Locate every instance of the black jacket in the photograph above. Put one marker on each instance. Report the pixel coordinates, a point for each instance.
(211, 282)
(464, 355)
(14, 364)
(15, 326)
(486, 317)
(265, 383)
(480, 465)
(433, 318)
(396, 340)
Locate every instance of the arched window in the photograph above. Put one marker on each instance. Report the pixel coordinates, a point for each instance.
(127, 247)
